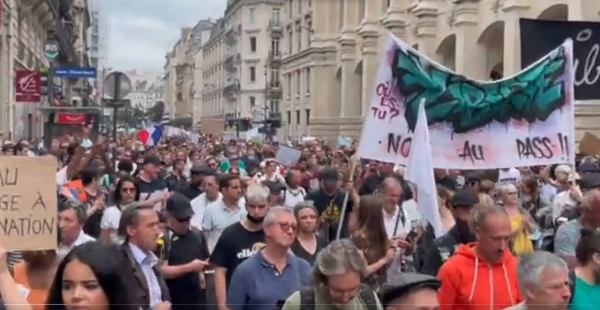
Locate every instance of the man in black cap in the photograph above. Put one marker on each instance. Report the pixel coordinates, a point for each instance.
(150, 186)
(185, 254)
(410, 291)
(462, 202)
(197, 174)
(329, 201)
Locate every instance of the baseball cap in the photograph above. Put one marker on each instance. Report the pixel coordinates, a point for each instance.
(401, 284)
(179, 207)
(464, 198)
(590, 181)
(152, 159)
(201, 170)
(588, 167)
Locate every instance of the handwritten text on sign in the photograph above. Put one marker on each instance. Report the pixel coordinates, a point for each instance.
(28, 218)
(538, 37)
(523, 120)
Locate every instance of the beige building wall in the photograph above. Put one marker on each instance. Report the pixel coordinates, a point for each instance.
(333, 76)
(251, 44)
(183, 63)
(213, 72)
(22, 38)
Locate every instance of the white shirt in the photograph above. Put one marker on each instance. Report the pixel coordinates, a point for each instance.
(199, 205)
(293, 197)
(110, 220)
(63, 249)
(61, 176)
(147, 263)
(411, 218)
(511, 176)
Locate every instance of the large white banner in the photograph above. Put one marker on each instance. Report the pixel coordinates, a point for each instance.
(523, 120)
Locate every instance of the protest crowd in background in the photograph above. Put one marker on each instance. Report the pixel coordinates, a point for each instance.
(427, 210)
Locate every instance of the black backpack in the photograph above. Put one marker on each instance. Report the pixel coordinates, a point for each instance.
(366, 295)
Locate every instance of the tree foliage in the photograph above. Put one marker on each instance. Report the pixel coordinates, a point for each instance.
(131, 117)
(155, 113)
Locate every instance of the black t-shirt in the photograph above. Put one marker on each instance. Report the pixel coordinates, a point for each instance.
(301, 252)
(185, 289)
(330, 207)
(147, 189)
(234, 246)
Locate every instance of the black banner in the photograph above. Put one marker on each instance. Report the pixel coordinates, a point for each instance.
(539, 37)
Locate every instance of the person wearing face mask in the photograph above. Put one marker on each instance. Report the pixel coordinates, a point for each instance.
(239, 241)
(462, 202)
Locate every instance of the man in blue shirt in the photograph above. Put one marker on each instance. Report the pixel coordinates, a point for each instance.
(267, 279)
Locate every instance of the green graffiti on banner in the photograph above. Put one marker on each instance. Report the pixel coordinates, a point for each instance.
(531, 95)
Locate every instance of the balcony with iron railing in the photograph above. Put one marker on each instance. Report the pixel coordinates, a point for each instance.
(232, 89)
(274, 90)
(231, 62)
(275, 26)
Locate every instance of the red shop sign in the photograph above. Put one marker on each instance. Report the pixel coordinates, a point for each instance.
(28, 86)
(70, 118)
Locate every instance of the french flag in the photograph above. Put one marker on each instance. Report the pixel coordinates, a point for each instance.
(150, 136)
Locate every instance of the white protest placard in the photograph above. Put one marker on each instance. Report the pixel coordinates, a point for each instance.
(287, 156)
(523, 120)
(28, 212)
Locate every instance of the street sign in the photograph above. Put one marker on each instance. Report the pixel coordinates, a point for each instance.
(51, 49)
(75, 72)
(117, 85)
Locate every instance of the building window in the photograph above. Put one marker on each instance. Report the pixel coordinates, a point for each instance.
(298, 86)
(342, 7)
(252, 74)
(307, 112)
(290, 38)
(253, 44)
(299, 36)
(276, 17)
(289, 118)
(291, 8)
(252, 102)
(289, 84)
(309, 34)
(298, 117)
(307, 81)
(299, 2)
(274, 106)
(275, 47)
(252, 13)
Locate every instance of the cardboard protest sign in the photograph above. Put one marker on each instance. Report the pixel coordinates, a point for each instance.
(523, 120)
(28, 210)
(589, 145)
(287, 156)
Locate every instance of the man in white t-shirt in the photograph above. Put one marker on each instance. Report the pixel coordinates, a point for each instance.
(398, 222)
(509, 175)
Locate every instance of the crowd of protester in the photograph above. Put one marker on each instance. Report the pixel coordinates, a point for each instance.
(216, 224)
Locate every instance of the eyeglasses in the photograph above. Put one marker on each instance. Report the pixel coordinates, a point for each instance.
(184, 220)
(128, 190)
(287, 226)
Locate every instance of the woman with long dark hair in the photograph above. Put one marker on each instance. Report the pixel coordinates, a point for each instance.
(91, 277)
(126, 193)
(372, 241)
